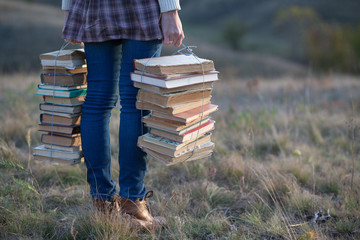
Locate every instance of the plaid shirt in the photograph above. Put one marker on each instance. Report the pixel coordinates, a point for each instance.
(102, 20)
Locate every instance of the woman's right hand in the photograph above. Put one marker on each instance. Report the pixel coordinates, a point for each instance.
(172, 28)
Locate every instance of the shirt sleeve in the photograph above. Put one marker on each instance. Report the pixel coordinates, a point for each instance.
(168, 5)
(66, 4)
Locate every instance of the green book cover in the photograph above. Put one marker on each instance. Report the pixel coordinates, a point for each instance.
(61, 93)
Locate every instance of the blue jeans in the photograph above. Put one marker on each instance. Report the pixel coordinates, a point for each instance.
(109, 65)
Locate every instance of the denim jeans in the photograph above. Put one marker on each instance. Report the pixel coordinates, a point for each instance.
(109, 65)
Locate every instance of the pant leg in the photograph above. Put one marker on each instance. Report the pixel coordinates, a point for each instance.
(131, 158)
(103, 63)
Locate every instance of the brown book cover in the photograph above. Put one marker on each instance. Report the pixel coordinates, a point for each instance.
(55, 128)
(200, 152)
(187, 136)
(173, 109)
(64, 80)
(176, 128)
(62, 120)
(60, 108)
(174, 64)
(64, 101)
(168, 147)
(172, 99)
(159, 90)
(188, 116)
(63, 70)
(61, 140)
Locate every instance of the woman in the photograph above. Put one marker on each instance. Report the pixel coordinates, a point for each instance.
(114, 33)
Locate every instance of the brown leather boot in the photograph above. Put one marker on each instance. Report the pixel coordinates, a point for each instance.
(140, 211)
(106, 206)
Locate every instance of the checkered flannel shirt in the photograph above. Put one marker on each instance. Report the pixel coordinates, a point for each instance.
(102, 20)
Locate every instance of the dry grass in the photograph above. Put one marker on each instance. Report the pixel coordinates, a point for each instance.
(277, 163)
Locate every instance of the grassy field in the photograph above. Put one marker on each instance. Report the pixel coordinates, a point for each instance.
(285, 167)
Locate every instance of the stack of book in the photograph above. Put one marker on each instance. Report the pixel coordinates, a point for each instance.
(63, 87)
(177, 90)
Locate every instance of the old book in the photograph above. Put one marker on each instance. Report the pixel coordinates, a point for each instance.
(173, 109)
(61, 140)
(63, 88)
(60, 93)
(163, 76)
(68, 115)
(188, 116)
(64, 101)
(174, 64)
(56, 128)
(159, 90)
(61, 120)
(58, 160)
(175, 128)
(46, 152)
(175, 82)
(172, 99)
(187, 136)
(66, 54)
(199, 152)
(61, 148)
(64, 79)
(69, 58)
(169, 147)
(62, 70)
(60, 108)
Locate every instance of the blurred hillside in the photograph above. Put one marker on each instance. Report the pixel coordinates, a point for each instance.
(244, 37)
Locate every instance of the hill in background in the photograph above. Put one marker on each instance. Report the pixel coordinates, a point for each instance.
(34, 26)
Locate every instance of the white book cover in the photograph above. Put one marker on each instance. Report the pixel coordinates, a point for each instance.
(175, 82)
(46, 152)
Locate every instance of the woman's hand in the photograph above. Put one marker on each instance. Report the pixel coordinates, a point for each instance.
(66, 14)
(172, 28)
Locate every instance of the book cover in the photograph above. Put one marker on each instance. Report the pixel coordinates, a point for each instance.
(175, 128)
(62, 88)
(186, 136)
(65, 54)
(61, 93)
(46, 152)
(61, 120)
(175, 82)
(64, 101)
(168, 147)
(61, 70)
(61, 140)
(174, 64)
(159, 90)
(199, 152)
(173, 109)
(57, 128)
(188, 116)
(172, 99)
(58, 160)
(63, 79)
(66, 149)
(60, 108)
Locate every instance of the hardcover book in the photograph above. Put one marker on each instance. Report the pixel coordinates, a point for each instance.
(174, 64)
(176, 82)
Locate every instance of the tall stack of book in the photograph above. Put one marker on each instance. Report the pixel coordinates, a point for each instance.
(177, 90)
(63, 87)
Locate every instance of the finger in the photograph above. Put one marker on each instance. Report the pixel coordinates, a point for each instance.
(179, 40)
(166, 40)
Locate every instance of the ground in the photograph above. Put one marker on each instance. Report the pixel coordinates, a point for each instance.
(282, 168)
